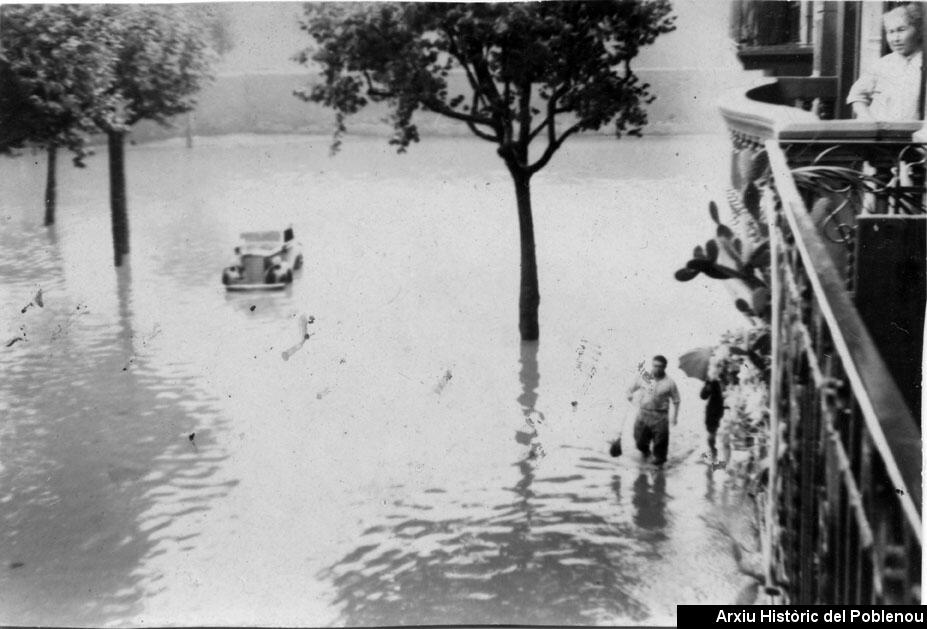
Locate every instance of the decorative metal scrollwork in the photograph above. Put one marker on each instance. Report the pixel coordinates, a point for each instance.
(842, 181)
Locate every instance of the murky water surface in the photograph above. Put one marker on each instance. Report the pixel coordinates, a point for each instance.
(413, 462)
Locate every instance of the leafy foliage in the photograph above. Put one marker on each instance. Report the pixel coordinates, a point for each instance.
(71, 70)
(741, 363)
(162, 60)
(55, 62)
(525, 67)
(748, 264)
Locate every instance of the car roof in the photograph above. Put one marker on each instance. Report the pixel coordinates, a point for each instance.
(263, 234)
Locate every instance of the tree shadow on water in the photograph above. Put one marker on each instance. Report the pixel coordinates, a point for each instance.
(97, 473)
(530, 558)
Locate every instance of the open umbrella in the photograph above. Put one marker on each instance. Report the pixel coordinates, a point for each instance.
(694, 363)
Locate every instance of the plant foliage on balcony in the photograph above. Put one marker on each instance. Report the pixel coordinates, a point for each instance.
(726, 257)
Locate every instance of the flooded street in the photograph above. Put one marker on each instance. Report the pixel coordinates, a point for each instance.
(413, 462)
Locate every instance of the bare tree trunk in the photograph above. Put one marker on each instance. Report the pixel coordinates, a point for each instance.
(189, 130)
(117, 195)
(529, 297)
(51, 184)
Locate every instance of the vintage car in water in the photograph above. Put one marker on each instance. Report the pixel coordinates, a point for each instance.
(266, 261)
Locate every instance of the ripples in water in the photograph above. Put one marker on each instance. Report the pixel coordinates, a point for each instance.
(92, 443)
(407, 465)
(538, 558)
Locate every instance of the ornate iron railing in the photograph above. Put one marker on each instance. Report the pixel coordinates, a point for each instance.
(840, 182)
(849, 471)
(842, 501)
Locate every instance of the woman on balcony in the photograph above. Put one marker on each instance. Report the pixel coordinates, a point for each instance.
(891, 90)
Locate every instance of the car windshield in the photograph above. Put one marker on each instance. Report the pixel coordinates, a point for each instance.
(260, 237)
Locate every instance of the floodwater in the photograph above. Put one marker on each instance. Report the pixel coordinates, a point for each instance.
(413, 462)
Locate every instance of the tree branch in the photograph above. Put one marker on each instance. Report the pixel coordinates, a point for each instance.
(483, 135)
(552, 110)
(436, 106)
(373, 91)
(552, 147)
(456, 53)
(537, 130)
(551, 128)
(524, 121)
(478, 132)
(508, 131)
(488, 87)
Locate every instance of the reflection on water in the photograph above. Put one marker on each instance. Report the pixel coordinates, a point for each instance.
(94, 467)
(710, 489)
(532, 554)
(650, 503)
(372, 478)
(530, 378)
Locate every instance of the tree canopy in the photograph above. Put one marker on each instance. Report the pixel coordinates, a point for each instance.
(55, 62)
(70, 70)
(532, 70)
(513, 73)
(162, 60)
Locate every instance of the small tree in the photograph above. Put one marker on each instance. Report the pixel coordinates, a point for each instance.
(53, 67)
(214, 19)
(540, 71)
(162, 59)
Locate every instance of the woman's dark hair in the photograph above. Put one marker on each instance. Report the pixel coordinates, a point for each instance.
(661, 358)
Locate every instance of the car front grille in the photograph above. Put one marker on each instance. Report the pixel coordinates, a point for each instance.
(253, 268)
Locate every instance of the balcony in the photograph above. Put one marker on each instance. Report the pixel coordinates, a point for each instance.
(842, 204)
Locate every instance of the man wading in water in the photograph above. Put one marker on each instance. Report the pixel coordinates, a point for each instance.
(652, 424)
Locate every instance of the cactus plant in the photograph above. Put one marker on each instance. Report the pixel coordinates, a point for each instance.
(750, 266)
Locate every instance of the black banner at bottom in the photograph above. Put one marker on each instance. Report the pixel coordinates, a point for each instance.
(799, 615)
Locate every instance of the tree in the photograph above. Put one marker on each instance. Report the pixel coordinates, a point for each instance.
(530, 73)
(53, 66)
(214, 19)
(162, 59)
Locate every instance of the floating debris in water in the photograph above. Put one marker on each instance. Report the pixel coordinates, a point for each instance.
(13, 340)
(36, 301)
(303, 331)
(443, 381)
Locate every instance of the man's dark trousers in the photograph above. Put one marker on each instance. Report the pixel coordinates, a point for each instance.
(652, 426)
